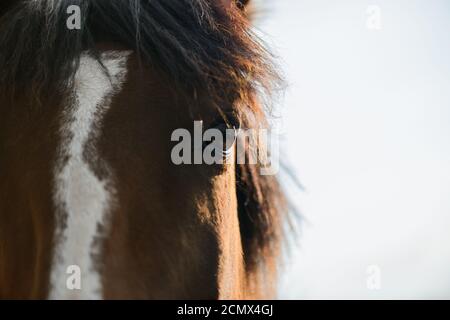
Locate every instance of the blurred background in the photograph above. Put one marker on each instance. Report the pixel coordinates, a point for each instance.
(366, 119)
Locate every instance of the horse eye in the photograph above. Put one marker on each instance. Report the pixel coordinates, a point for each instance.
(229, 129)
(241, 4)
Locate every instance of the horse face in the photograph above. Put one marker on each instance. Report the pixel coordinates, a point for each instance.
(86, 166)
(173, 229)
(104, 197)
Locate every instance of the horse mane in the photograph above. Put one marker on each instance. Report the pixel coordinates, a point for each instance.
(201, 47)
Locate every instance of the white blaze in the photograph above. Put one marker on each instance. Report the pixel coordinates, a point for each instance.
(83, 199)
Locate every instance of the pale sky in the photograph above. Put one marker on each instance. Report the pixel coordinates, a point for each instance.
(367, 123)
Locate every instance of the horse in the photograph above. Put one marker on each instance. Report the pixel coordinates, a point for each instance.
(88, 188)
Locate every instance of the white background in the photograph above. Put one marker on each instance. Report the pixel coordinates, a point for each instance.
(367, 123)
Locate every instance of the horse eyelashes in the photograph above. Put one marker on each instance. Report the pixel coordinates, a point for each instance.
(241, 4)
